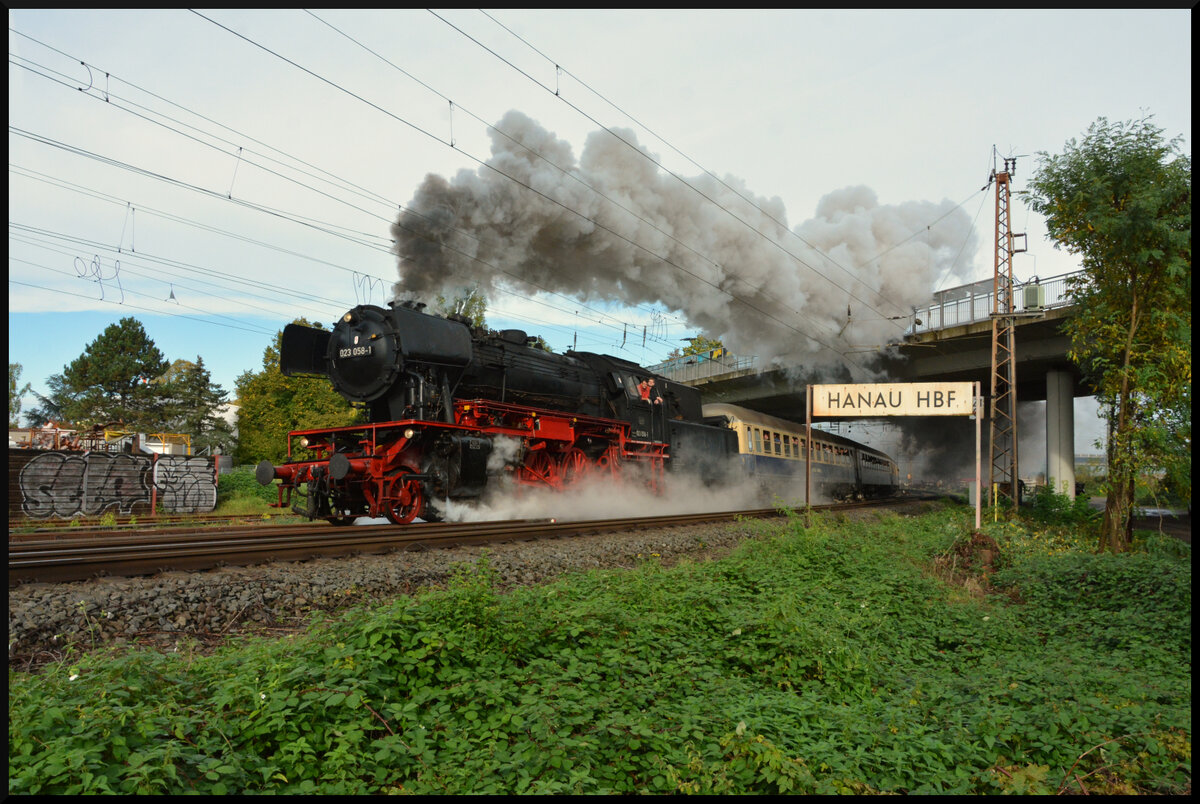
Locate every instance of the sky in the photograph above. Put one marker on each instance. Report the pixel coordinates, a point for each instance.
(216, 174)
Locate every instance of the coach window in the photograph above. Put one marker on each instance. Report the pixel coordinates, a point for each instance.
(749, 439)
(778, 445)
(757, 440)
(787, 446)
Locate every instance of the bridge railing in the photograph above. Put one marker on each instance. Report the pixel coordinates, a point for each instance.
(699, 367)
(966, 304)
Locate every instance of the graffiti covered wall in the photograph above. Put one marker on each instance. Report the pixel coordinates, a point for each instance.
(46, 484)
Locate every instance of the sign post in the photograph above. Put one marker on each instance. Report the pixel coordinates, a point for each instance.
(895, 399)
(978, 441)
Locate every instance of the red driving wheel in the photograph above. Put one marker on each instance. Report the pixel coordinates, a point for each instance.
(404, 500)
(575, 466)
(540, 469)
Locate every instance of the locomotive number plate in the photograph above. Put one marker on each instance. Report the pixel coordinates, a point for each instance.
(354, 351)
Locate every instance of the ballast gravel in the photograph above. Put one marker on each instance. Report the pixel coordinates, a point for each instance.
(51, 622)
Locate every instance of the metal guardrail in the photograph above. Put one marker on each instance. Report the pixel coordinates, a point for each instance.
(966, 304)
(971, 303)
(698, 367)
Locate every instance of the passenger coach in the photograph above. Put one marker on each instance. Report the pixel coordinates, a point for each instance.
(774, 451)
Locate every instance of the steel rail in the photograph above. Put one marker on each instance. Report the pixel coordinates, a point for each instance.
(61, 560)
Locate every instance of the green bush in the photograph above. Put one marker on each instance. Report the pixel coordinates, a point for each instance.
(1051, 507)
(242, 483)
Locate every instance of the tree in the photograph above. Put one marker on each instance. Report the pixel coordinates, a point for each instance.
(699, 345)
(15, 394)
(111, 380)
(191, 405)
(52, 407)
(472, 304)
(272, 405)
(1122, 200)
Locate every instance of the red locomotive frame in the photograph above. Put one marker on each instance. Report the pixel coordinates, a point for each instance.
(375, 469)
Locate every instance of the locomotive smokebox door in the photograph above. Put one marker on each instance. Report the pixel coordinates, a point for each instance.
(364, 354)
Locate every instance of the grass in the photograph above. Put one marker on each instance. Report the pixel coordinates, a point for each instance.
(844, 657)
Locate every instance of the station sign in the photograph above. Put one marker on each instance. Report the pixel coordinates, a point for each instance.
(894, 399)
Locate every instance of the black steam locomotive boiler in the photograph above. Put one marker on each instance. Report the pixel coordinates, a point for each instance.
(453, 410)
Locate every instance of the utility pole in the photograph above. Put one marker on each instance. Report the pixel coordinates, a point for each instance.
(1004, 478)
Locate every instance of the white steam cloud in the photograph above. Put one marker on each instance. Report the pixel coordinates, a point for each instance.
(730, 270)
(609, 498)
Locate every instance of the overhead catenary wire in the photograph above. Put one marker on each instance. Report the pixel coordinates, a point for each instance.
(803, 333)
(484, 164)
(107, 99)
(660, 166)
(559, 70)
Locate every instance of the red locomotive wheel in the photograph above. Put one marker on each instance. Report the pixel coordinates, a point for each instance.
(540, 468)
(404, 501)
(575, 466)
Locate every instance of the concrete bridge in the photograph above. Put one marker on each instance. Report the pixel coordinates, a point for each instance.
(948, 339)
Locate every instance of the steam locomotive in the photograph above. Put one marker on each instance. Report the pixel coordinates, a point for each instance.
(452, 409)
(455, 410)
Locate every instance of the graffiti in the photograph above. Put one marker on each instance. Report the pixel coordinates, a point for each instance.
(69, 484)
(185, 485)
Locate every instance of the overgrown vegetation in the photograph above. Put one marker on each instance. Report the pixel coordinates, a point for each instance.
(242, 484)
(239, 493)
(839, 657)
(1051, 507)
(1121, 199)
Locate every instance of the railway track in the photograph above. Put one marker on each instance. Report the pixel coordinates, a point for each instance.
(55, 559)
(35, 530)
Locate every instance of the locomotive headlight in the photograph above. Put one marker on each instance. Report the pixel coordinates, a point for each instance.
(409, 432)
(304, 442)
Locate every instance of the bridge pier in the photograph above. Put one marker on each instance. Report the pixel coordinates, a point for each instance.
(1060, 431)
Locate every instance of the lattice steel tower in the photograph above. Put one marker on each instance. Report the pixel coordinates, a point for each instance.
(1004, 479)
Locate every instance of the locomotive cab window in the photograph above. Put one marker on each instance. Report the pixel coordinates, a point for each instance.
(629, 383)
